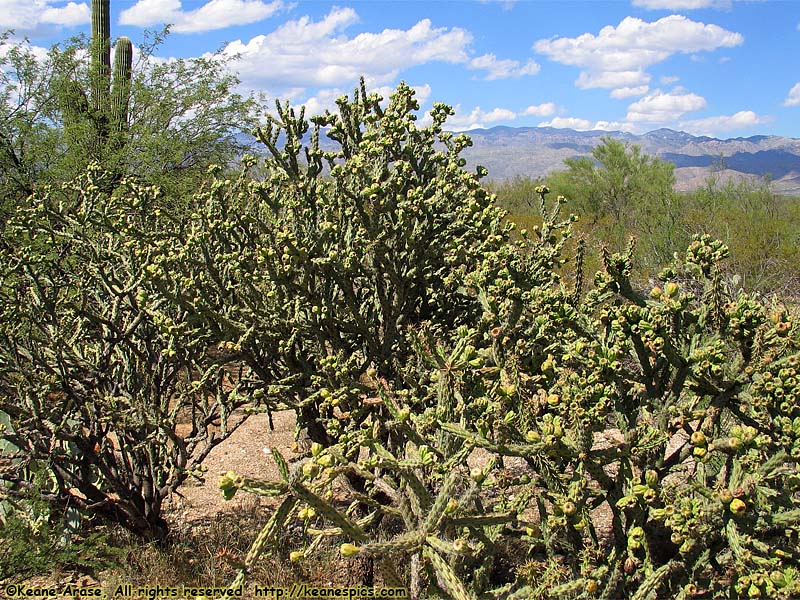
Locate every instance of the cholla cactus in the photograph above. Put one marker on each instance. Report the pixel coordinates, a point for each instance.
(692, 389)
(108, 391)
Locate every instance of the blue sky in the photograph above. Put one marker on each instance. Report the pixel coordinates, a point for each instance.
(712, 67)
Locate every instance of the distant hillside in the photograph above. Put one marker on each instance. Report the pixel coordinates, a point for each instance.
(536, 151)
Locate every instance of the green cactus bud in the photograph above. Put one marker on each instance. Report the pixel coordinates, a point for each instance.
(310, 469)
(651, 477)
(296, 556)
(698, 438)
(325, 460)
(477, 474)
(687, 546)
(671, 289)
(533, 437)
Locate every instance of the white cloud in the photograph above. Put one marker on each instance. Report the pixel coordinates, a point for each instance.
(214, 14)
(681, 4)
(612, 79)
(568, 123)
(627, 92)
(540, 110)
(579, 124)
(660, 107)
(667, 79)
(618, 56)
(613, 126)
(502, 68)
(325, 99)
(477, 118)
(304, 53)
(70, 15)
(506, 4)
(26, 16)
(711, 125)
(793, 99)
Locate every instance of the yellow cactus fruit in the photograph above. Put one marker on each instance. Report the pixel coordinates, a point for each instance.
(347, 550)
(737, 507)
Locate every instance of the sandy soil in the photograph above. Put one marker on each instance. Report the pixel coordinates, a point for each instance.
(247, 452)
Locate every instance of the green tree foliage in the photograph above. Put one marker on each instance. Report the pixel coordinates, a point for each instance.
(760, 227)
(165, 126)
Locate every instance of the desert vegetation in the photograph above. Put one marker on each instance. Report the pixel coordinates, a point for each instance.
(518, 402)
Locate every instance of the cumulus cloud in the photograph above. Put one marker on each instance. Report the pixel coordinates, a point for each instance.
(503, 68)
(540, 110)
(612, 79)
(627, 92)
(325, 99)
(306, 53)
(681, 4)
(793, 99)
(618, 56)
(477, 118)
(712, 125)
(568, 123)
(661, 107)
(579, 124)
(667, 79)
(30, 16)
(214, 14)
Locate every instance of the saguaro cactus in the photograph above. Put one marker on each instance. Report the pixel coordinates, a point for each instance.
(123, 61)
(105, 107)
(101, 54)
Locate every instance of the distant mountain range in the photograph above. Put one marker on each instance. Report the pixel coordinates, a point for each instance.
(535, 151)
(508, 152)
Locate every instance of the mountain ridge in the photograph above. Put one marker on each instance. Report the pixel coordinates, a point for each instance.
(509, 152)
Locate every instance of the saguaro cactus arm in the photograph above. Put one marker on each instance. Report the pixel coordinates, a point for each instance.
(123, 61)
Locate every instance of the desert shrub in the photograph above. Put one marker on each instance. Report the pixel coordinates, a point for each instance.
(674, 411)
(103, 385)
(759, 226)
